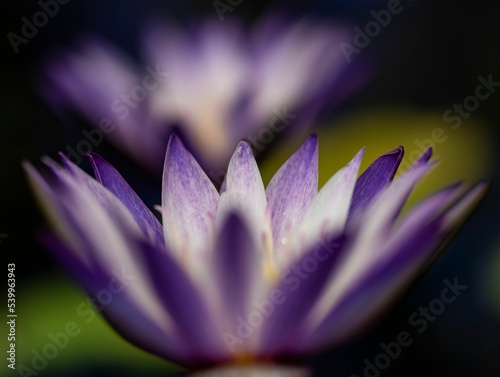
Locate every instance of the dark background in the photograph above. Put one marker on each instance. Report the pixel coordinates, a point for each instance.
(429, 56)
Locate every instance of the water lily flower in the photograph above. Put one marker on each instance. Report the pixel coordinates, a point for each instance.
(215, 86)
(250, 273)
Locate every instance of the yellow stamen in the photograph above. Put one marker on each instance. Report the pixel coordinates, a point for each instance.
(270, 270)
(243, 359)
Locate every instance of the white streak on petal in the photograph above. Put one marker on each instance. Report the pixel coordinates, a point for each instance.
(291, 191)
(189, 199)
(51, 205)
(114, 253)
(244, 192)
(328, 212)
(368, 246)
(461, 210)
(108, 227)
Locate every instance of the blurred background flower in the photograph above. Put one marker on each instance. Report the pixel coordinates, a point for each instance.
(214, 82)
(428, 58)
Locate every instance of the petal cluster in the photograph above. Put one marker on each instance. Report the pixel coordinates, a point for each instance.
(248, 272)
(217, 86)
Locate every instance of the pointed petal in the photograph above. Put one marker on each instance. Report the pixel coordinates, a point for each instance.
(104, 228)
(460, 212)
(110, 293)
(371, 293)
(50, 203)
(244, 191)
(189, 199)
(368, 245)
(291, 190)
(109, 177)
(425, 235)
(328, 211)
(374, 180)
(425, 157)
(423, 214)
(380, 218)
(75, 178)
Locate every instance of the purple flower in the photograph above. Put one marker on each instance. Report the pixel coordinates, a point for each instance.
(217, 85)
(250, 273)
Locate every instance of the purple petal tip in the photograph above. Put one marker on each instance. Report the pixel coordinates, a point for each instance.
(400, 149)
(425, 157)
(174, 144)
(244, 147)
(311, 143)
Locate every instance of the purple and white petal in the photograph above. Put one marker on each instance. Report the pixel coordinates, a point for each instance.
(299, 288)
(367, 249)
(291, 191)
(105, 225)
(74, 176)
(184, 302)
(109, 290)
(374, 180)
(109, 177)
(189, 202)
(244, 193)
(426, 229)
(459, 213)
(327, 213)
(372, 292)
(49, 201)
(237, 272)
